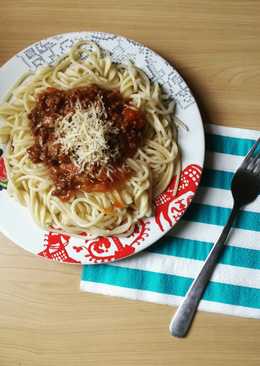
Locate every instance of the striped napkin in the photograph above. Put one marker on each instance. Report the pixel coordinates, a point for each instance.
(164, 272)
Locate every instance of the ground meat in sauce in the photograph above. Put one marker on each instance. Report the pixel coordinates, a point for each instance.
(54, 103)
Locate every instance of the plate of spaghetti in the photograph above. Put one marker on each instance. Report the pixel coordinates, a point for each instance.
(102, 147)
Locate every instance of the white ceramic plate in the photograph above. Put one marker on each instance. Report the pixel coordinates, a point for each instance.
(16, 222)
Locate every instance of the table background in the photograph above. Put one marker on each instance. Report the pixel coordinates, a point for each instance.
(44, 320)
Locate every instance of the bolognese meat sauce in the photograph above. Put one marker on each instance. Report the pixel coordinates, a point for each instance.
(84, 135)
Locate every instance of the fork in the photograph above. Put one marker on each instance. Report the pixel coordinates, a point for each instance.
(245, 187)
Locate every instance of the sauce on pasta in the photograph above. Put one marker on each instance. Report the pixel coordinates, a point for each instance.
(113, 128)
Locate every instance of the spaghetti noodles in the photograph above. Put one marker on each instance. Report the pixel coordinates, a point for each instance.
(86, 136)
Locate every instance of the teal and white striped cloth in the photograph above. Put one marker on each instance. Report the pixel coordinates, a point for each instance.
(164, 272)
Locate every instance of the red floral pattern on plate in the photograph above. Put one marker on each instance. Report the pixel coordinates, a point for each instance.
(3, 176)
(107, 249)
(55, 248)
(170, 207)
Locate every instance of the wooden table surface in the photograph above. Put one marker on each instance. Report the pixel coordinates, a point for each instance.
(44, 319)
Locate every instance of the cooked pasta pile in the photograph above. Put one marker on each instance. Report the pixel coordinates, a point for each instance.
(156, 160)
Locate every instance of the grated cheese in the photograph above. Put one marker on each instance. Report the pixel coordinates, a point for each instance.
(85, 134)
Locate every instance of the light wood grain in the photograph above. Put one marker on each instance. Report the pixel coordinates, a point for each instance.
(44, 320)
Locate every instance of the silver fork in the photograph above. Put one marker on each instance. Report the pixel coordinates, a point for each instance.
(245, 188)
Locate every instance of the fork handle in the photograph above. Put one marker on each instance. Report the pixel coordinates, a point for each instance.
(182, 319)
